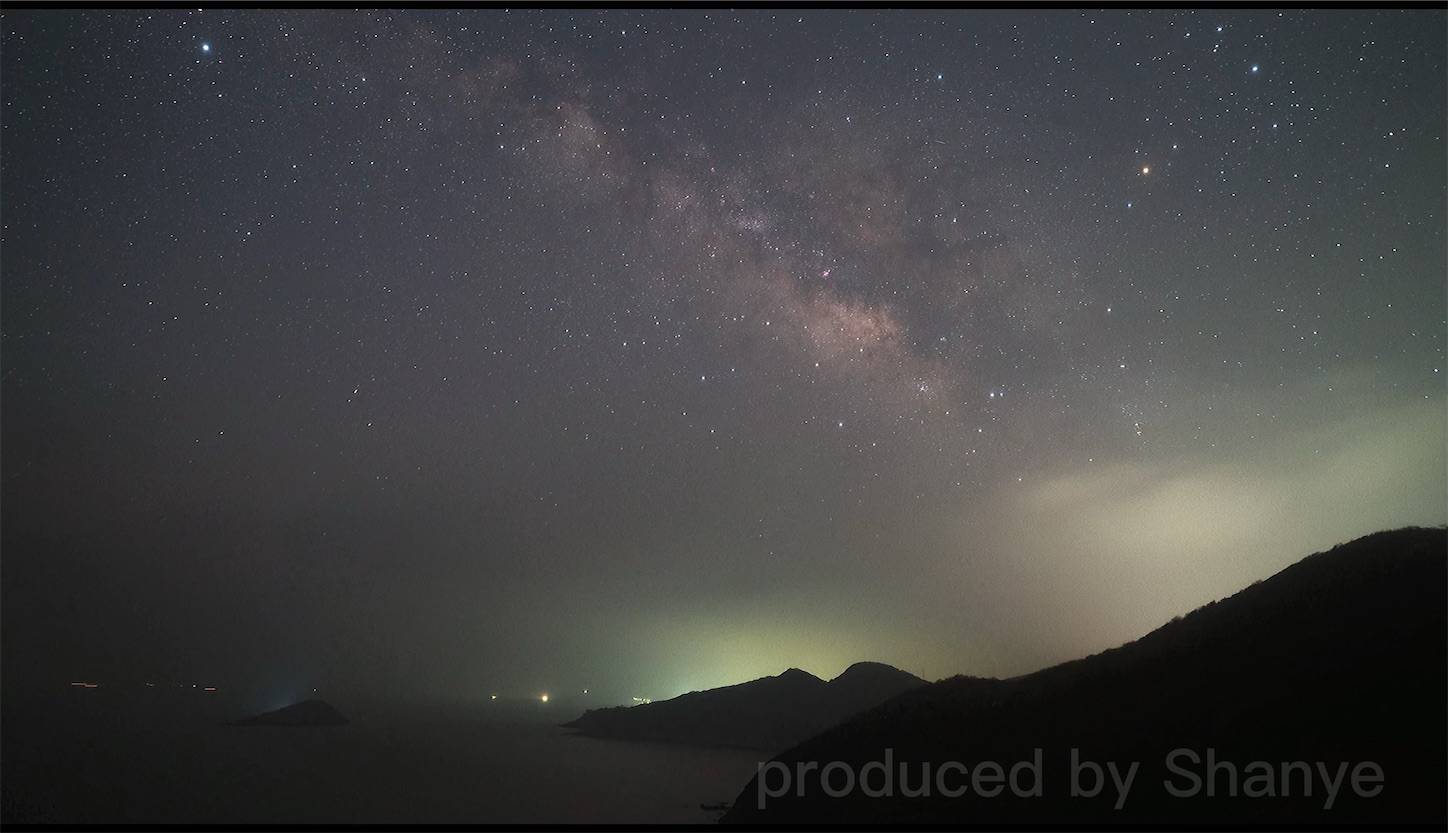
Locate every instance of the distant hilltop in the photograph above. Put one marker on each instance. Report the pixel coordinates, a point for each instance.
(768, 714)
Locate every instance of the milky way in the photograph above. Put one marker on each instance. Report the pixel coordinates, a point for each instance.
(486, 350)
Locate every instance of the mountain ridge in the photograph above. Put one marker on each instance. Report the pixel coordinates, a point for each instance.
(1308, 662)
(768, 713)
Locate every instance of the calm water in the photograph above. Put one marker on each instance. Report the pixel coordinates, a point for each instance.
(90, 760)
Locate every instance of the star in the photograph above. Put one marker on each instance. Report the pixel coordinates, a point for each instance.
(206, 47)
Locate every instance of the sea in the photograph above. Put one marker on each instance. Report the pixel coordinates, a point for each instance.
(89, 756)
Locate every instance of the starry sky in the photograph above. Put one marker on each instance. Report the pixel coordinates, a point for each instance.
(446, 352)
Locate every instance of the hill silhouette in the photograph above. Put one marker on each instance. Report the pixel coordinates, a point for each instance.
(1337, 658)
(305, 713)
(768, 714)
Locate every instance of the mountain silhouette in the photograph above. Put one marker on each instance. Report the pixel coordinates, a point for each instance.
(305, 713)
(769, 713)
(1337, 658)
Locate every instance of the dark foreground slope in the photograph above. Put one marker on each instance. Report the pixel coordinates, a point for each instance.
(769, 713)
(1338, 658)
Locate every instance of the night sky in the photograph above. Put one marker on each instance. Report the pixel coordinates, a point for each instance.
(447, 352)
